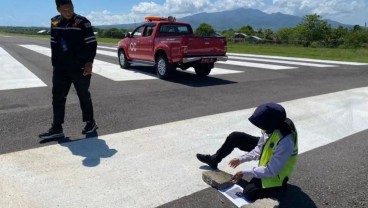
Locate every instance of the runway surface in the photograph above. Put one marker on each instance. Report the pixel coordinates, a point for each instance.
(150, 130)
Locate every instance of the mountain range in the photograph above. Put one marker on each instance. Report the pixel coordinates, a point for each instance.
(235, 19)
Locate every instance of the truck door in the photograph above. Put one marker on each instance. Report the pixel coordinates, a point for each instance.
(135, 41)
(147, 41)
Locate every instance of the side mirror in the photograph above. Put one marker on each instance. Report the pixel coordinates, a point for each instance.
(127, 35)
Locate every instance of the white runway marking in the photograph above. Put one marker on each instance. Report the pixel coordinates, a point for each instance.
(255, 65)
(300, 59)
(114, 72)
(108, 53)
(237, 63)
(154, 165)
(216, 71)
(14, 75)
(109, 48)
(265, 58)
(105, 69)
(281, 62)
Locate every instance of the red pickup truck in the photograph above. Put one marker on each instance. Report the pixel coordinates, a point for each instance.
(168, 45)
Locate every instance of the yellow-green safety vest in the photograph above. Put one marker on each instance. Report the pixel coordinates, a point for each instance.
(267, 152)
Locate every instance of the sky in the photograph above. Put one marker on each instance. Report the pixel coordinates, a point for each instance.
(108, 12)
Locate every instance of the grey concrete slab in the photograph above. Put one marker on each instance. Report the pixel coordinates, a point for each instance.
(217, 179)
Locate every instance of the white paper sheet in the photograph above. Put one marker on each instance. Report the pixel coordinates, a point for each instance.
(231, 194)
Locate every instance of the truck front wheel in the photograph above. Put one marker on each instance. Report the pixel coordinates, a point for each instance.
(123, 61)
(203, 69)
(163, 68)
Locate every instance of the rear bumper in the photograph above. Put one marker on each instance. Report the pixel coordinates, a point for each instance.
(198, 58)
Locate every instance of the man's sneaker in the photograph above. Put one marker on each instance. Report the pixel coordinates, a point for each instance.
(90, 127)
(52, 133)
(207, 159)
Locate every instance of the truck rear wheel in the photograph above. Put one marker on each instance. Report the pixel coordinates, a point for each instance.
(163, 68)
(123, 61)
(203, 69)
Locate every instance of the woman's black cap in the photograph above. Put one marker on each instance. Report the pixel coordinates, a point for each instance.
(268, 116)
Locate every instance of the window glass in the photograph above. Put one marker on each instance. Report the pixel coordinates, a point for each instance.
(175, 29)
(138, 32)
(149, 30)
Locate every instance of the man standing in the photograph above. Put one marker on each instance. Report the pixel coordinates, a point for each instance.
(276, 149)
(73, 47)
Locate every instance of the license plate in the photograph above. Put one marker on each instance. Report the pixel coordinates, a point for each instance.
(207, 60)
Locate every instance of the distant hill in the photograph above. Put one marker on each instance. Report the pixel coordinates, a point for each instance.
(238, 18)
(235, 19)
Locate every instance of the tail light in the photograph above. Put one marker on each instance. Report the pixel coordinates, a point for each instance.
(184, 46)
(184, 49)
(225, 47)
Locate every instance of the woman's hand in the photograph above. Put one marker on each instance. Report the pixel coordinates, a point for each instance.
(234, 162)
(237, 177)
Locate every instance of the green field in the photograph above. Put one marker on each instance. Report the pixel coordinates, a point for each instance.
(358, 55)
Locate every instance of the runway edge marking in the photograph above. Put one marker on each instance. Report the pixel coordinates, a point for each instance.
(132, 167)
(14, 75)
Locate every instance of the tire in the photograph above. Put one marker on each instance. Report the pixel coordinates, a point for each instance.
(123, 61)
(163, 69)
(203, 70)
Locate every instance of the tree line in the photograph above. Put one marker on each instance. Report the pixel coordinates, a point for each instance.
(104, 33)
(313, 31)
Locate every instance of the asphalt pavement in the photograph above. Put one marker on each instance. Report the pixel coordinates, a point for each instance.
(134, 109)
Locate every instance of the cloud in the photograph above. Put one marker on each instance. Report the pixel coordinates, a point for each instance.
(185, 7)
(181, 8)
(177, 8)
(107, 18)
(321, 7)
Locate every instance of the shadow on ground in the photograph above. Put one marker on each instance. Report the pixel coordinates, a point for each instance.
(293, 197)
(91, 148)
(184, 78)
